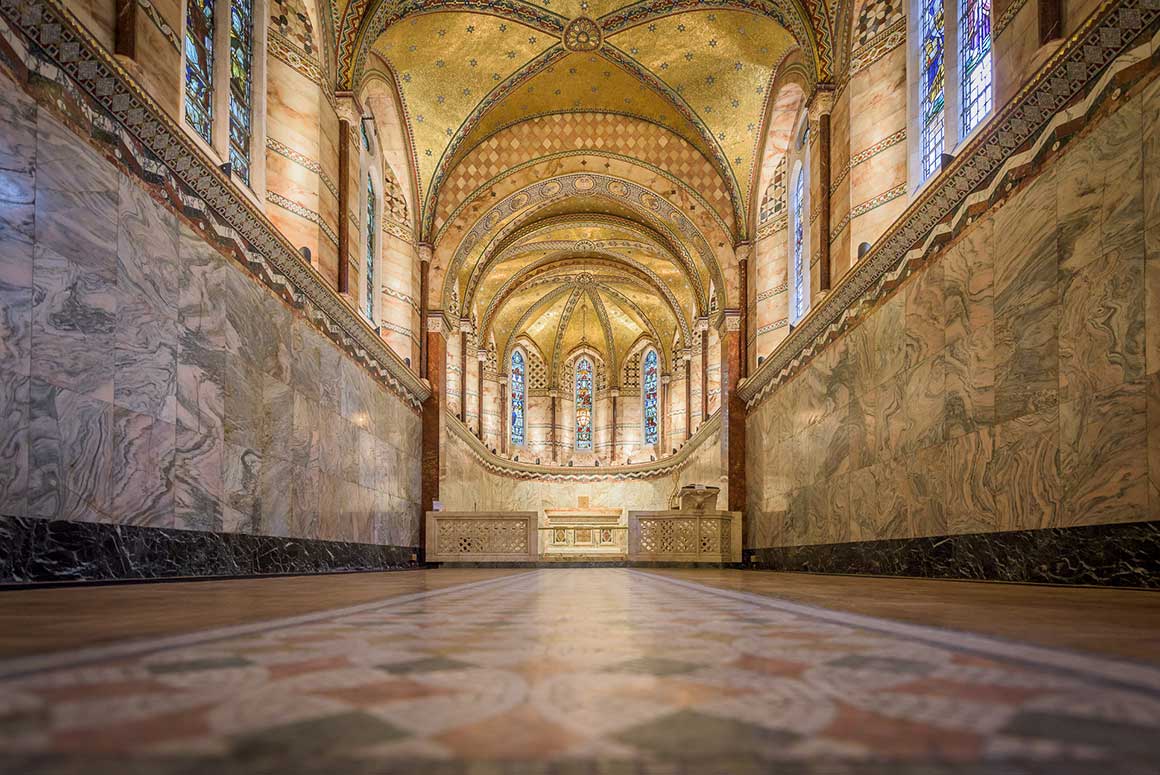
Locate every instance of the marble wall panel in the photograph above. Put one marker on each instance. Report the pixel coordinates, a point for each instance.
(1008, 385)
(147, 380)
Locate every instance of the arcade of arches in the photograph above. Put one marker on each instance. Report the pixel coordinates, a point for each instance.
(839, 286)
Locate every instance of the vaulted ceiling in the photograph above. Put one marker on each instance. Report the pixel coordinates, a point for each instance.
(583, 167)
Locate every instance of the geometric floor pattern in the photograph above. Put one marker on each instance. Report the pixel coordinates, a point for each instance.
(579, 671)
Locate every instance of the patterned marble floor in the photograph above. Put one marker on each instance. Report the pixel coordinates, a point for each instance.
(578, 671)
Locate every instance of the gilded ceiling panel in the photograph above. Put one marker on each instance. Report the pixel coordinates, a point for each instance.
(445, 64)
(720, 63)
(560, 133)
(570, 9)
(583, 82)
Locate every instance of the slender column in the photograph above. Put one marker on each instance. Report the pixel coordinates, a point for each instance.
(344, 152)
(615, 394)
(1050, 21)
(688, 359)
(425, 252)
(436, 374)
(464, 330)
(703, 324)
(743, 252)
(553, 398)
(663, 410)
(821, 105)
(481, 358)
(504, 410)
(125, 32)
(732, 409)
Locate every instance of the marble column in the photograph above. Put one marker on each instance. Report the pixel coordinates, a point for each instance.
(664, 430)
(553, 437)
(344, 154)
(703, 327)
(732, 409)
(481, 359)
(743, 252)
(614, 394)
(687, 357)
(820, 107)
(504, 410)
(425, 253)
(464, 331)
(436, 375)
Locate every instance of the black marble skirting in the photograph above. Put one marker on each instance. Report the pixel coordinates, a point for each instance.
(621, 563)
(39, 550)
(1102, 555)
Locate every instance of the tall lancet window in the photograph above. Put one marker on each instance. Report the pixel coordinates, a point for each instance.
(199, 67)
(372, 225)
(975, 61)
(519, 397)
(648, 384)
(583, 404)
(241, 85)
(799, 269)
(932, 92)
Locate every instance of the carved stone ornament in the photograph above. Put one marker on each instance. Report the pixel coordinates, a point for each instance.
(582, 34)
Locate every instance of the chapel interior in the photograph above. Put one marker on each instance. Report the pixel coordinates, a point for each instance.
(580, 386)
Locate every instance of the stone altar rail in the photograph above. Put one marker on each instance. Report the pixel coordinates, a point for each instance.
(482, 536)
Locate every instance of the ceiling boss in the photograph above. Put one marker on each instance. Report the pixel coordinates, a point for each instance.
(582, 34)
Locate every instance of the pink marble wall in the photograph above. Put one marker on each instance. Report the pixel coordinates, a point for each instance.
(1013, 383)
(147, 380)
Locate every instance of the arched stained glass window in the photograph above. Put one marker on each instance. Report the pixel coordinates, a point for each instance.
(932, 80)
(799, 280)
(241, 85)
(372, 226)
(199, 67)
(518, 385)
(648, 382)
(975, 61)
(583, 404)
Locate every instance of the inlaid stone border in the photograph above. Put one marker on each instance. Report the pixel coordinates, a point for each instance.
(70, 74)
(1046, 112)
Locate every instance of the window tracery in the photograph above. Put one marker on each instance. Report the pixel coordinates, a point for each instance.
(975, 59)
(798, 280)
(372, 226)
(518, 385)
(584, 401)
(649, 381)
(932, 75)
(199, 24)
(241, 85)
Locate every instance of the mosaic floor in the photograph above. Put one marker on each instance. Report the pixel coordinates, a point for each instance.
(577, 671)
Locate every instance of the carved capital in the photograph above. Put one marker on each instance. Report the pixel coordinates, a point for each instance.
(702, 324)
(426, 251)
(481, 355)
(436, 324)
(729, 320)
(821, 102)
(347, 107)
(743, 251)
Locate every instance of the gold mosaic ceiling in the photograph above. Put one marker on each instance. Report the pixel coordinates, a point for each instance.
(702, 74)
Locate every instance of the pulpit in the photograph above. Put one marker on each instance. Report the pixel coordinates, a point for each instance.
(583, 532)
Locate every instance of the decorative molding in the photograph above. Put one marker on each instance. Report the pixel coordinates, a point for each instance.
(882, 45)
(864, 207)
(159, 22)
(303, 161)
(159, 151)
(867, 155)
(286, 52)
(274, 198)
(1008, 16)
(550, 473)
(1049, 108)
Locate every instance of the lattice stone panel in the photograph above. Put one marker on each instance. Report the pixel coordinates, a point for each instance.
(483, 536)
(668, 536)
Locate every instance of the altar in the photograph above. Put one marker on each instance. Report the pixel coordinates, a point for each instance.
(583, 532)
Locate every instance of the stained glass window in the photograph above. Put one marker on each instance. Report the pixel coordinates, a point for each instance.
(800, 287)
(199, 67)
(519, 397)
(371, 227)
(975, 61)
(648, 383)
(241, 85)
(932, 78)
(366, 139)
(583, 404)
